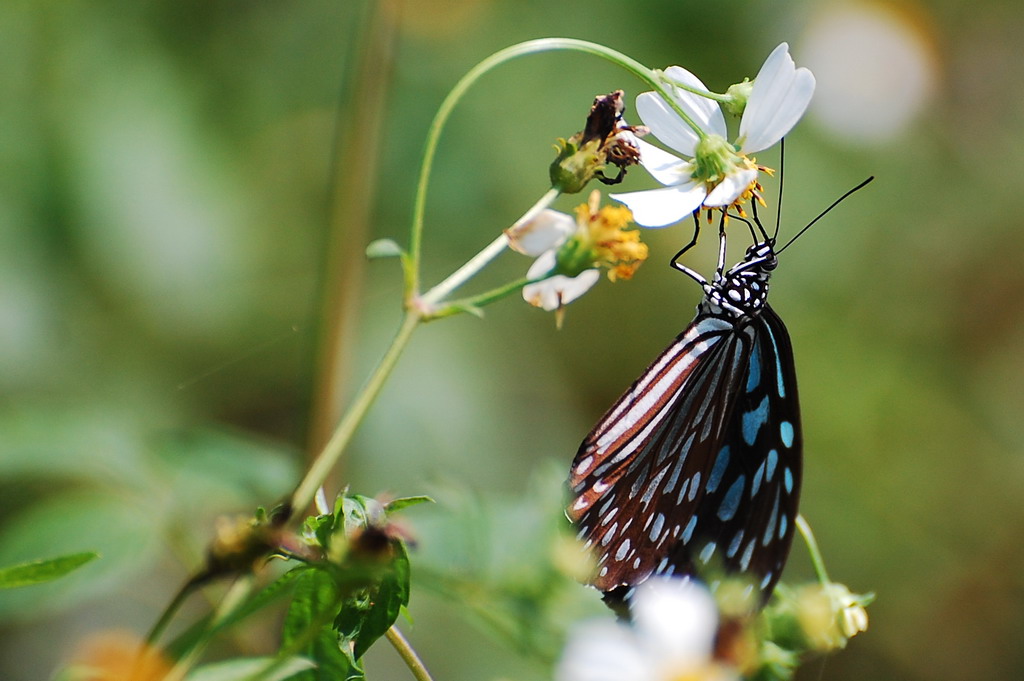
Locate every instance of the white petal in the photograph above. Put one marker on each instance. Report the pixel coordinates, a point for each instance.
(542, 265)
(663, 166)
(729, 189)
(661, 207)
(559, 290)
(547, 230)
(675, 618)
(778, 99)
(665, 123)
(602, 651)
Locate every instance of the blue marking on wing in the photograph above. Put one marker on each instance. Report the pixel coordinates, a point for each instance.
(754, 369)
(785, 432)
(721, 462)
(778, 364)
(773, 460)
(754, 419)
(731, 502)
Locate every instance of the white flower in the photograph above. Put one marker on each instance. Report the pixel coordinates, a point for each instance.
(672, 637)
(557, 291)
(571, 251)
(718, 173)
(541, 238)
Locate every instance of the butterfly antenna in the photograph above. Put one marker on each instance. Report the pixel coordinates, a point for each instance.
(782, 176)
(825, 212)
(760, 227)
(750, 226)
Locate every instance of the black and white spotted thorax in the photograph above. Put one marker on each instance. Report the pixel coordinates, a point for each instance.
(742, 291)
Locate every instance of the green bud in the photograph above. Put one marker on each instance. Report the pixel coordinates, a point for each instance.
(738, 95)
(575, 166)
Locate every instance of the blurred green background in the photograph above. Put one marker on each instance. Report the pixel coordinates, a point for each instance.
(186, 190)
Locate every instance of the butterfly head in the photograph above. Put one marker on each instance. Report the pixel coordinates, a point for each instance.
(742, 291)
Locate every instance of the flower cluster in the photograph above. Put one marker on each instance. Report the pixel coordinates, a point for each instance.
(717, 173)
(571, 252)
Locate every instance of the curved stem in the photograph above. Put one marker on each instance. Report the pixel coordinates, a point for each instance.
(334, 448)
(812, 549)
(408, 654)
(444, 111)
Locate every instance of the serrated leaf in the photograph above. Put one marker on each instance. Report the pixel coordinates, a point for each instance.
(402, 503)
(383, 248)
(365, 619)
(244, 668)
(40, 571)
(307, 628)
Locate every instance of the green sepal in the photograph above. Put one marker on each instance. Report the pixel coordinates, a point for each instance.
(402, 503)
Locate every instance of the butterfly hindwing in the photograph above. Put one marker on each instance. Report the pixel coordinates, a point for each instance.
(747, 517)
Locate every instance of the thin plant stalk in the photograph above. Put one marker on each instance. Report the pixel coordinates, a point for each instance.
(408, 654)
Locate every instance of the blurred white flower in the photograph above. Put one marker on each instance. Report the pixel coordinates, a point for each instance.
(672, 637)
(718, 173)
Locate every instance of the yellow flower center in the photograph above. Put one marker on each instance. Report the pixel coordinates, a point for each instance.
(612, 246)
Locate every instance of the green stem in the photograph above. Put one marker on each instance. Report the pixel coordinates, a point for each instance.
(812, 549)
(707, 94)
(236, 595)
(334, 448)
(408, 654)
(169, 612)
(467, 304)
(444, 111)
(489, 253)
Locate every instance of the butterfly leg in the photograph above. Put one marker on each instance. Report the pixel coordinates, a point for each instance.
(693, 242)
(721, 247)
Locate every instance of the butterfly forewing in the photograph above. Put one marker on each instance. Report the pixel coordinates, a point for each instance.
(632, 473)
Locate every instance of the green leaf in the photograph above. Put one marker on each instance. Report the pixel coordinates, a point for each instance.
(403, 503)
(366, 618)
(307, 629)
(244, 668)
(40, 571)
(122, 530)
(383, 248)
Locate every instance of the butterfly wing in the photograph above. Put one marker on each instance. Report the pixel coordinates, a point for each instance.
(669, 476)
(636, 476)
(746, 519)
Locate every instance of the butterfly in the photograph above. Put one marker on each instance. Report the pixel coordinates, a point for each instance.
(700, 459)
(698, 464)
